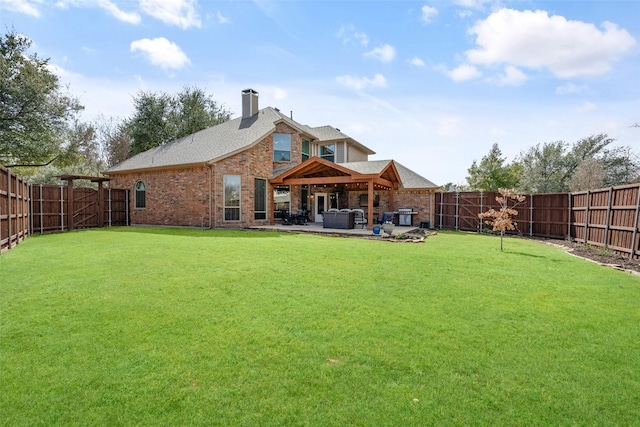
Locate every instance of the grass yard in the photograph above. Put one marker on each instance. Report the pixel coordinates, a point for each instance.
(147, 326)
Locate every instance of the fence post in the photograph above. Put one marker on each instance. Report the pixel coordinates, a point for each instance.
(569, 217)
(481, 210)
(61, 208)
(109, 192)
(635, 227)
(586, 218)
(70, 203)
(606, 228)
(31, 209)
(9, 205)
(441, 203)
(41, 212)
(531, 215)
(457, 206)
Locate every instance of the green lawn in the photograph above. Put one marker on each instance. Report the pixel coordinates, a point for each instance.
(146, 326)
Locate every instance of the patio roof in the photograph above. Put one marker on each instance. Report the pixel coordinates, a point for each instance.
(317, 171)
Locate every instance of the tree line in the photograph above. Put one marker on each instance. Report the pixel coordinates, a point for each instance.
(42, 135)
(554, 167)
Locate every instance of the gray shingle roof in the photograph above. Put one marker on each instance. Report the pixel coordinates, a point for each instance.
(208, 144)
(223, 140)
(409, 178)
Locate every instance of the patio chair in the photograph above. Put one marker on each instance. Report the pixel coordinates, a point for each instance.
(345, 210)
(359, 217)
(387, 216)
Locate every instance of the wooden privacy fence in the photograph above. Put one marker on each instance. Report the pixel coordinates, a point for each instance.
(31, 208)
(14, 209)
(540, 215)
(53, 210)
(607, 218)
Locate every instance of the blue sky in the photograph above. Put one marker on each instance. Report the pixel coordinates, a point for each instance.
(431, 84)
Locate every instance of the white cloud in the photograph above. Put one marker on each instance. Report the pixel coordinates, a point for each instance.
(276, 93)
(346, 32)
(463, 73)
(362, 38)
(161, 52)
(384, 53)
(511, 77)
(221, 18)
(181, 13)
(61, 72)
(428, 12)
(416, 62)
(360, 83)
(129, 17)
(28, 7)
(539, 41)
(107, 5)
(449, 126)
(586, 107)
(570, 88)
(471, 4)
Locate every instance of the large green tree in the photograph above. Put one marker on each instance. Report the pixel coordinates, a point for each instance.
(492, 173)
(161, 117)
(550, 167)
(35, 111)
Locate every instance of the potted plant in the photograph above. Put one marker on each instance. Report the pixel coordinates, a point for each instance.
(388, 227)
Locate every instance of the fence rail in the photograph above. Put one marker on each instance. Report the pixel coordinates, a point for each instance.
(607, 218)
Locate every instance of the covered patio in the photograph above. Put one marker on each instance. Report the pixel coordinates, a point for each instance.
(362, 182)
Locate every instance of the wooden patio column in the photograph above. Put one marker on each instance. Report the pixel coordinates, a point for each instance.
(370, 204)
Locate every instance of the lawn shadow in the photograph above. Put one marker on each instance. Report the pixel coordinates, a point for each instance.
(196, 232)
(525, 254)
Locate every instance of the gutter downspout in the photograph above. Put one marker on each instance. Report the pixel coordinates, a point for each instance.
(210, 194)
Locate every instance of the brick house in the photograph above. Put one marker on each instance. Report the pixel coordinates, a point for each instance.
(246, 171)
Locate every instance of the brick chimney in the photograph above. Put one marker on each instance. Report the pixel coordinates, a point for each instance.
(249, 103)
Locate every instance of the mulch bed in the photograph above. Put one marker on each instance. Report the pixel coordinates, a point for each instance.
(599, 255)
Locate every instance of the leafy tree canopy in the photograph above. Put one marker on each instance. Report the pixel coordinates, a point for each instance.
(161, 117)
(492, 174)
(34, 111)
(550, 167)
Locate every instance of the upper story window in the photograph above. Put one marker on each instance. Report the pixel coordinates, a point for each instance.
(140, 195)
(281, 147)
(306, 150)
(328, 152)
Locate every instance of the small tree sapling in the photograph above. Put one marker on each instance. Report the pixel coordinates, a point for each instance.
(502, 220)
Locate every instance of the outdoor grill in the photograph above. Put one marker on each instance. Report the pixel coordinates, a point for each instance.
(405, 216)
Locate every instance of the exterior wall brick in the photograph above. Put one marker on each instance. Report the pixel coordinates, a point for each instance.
(178, 197)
